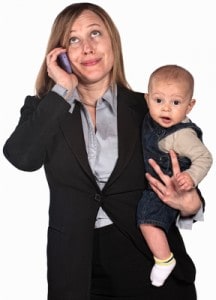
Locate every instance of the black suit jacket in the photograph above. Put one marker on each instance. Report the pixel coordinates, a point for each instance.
(48, 135)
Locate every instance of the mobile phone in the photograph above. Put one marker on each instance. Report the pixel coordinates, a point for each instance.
(64, 62)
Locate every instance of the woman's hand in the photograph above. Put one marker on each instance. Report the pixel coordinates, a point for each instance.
(187, 202)
(58, 75)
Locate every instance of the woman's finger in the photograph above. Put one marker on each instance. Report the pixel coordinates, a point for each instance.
(175, 163)
(164, 178)
(157, 186)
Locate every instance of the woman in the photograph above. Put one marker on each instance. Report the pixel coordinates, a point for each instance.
(84, 128)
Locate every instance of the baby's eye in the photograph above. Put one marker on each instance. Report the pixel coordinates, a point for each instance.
(158, 100)
(73, 40)
(176, 102)
(95, 33)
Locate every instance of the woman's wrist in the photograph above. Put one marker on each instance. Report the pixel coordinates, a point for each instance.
(190, 203)
(61, 91)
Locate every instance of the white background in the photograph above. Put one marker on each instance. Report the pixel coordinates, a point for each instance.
(153, 33)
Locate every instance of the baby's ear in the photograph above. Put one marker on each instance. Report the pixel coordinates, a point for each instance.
(146, 96)
(191, 105)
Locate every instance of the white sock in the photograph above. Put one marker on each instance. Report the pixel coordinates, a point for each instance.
(161, 270)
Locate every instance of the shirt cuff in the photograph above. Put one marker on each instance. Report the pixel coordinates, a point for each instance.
(187, 223)
(60, 90)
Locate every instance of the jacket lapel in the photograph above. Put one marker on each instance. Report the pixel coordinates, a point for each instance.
(127, 134)
(73, 133)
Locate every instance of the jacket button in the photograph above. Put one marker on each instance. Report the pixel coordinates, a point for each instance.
(98, 197)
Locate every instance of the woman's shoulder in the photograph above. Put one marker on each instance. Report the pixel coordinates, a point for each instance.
(133, 98)
(130, 92)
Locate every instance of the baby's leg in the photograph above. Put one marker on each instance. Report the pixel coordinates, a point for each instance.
(164, 259)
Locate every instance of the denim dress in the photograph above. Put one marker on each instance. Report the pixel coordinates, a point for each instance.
(151, 210)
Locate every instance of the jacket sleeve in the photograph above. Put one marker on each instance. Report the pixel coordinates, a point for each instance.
(38, 123)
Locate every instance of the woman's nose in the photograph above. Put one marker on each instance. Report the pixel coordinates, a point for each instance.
(88, 48)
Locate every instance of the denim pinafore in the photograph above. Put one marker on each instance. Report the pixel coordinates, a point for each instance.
(151, 210)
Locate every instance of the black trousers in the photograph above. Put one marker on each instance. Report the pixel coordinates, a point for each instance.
(119, 268)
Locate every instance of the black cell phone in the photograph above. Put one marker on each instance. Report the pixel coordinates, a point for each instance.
(64, 62)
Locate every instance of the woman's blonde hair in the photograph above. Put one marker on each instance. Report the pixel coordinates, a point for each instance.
(59, 37)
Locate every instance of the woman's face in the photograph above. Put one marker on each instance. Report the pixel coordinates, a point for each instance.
(90, 50)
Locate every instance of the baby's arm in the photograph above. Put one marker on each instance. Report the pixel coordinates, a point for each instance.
(184, 181)
(186, 143)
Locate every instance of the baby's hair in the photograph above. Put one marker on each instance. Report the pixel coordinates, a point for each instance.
(173, 72)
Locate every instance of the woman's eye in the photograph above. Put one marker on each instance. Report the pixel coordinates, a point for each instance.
(95, 33)
(73, 40)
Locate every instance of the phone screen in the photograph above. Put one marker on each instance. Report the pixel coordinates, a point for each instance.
(64, 62)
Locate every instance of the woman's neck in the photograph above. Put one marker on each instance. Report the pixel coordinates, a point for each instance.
(89, 94)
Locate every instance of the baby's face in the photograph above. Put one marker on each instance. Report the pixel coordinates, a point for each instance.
(169, 101)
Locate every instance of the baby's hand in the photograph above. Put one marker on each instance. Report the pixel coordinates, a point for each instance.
(184, 181)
